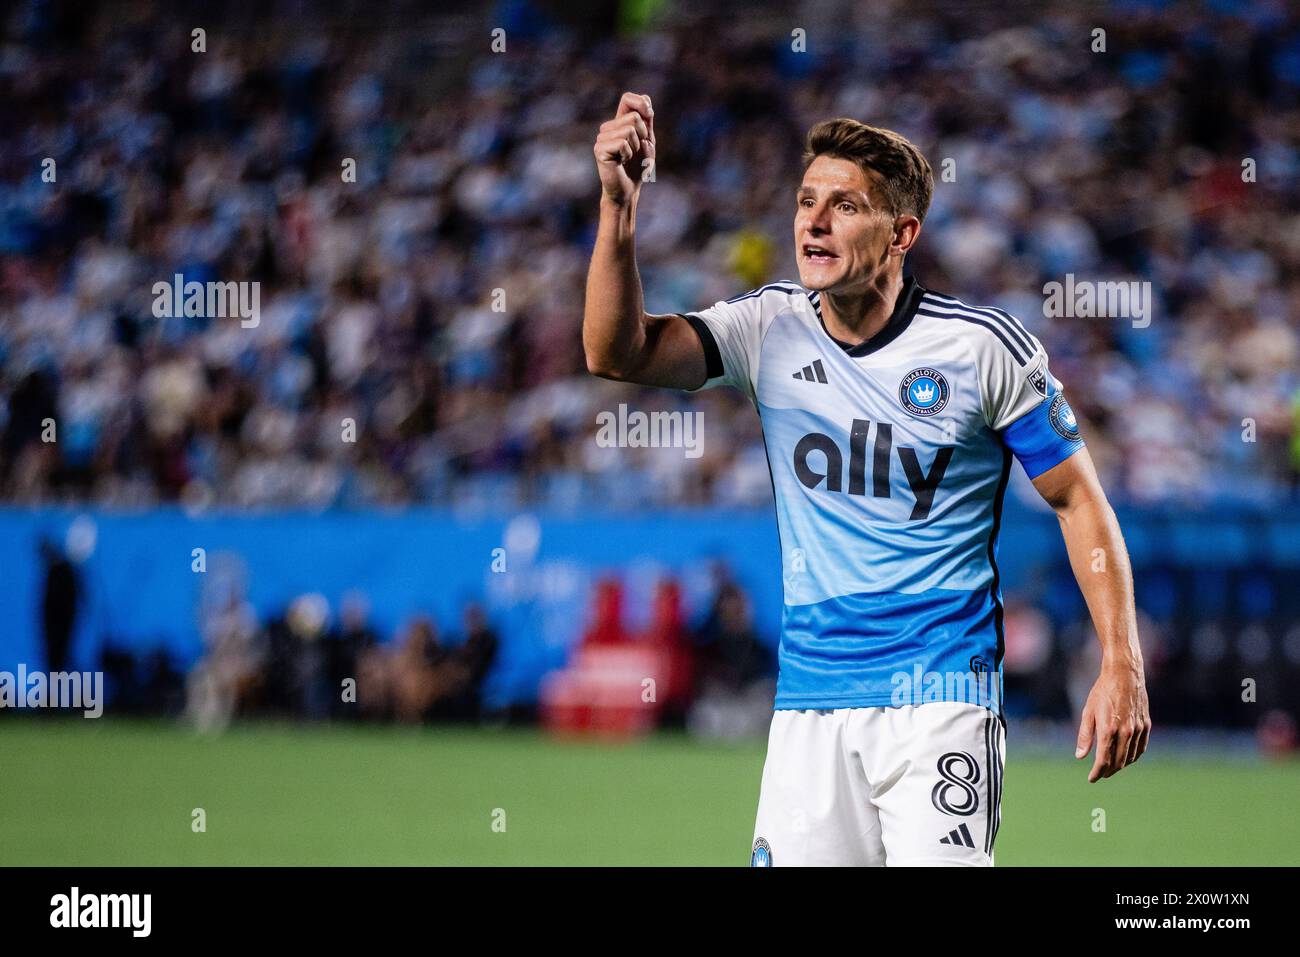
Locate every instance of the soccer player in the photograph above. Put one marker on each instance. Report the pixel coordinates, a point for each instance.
(890, 414)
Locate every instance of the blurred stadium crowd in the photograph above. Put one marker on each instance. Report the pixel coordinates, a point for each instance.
(475, 189)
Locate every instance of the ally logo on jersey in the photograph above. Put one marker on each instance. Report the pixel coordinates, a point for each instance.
(826, 469)
(922, 392)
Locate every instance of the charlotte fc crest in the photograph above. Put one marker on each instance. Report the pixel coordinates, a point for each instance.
(1061, 416)
(923, 392)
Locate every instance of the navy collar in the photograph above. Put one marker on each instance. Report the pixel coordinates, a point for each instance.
(909, 300)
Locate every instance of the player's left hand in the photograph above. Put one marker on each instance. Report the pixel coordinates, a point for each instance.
(1117, 718)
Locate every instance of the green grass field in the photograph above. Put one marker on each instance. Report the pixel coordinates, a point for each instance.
(111, 793)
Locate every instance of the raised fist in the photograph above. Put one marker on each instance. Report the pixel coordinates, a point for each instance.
(625, 148)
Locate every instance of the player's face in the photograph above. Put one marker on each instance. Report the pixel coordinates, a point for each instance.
(841, 230)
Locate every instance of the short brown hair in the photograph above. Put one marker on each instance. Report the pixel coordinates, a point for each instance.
(905, 175)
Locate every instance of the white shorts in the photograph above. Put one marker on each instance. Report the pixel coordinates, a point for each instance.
(917, 785)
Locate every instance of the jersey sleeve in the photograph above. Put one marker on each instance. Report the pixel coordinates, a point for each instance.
(731, 334)
(1026, 406)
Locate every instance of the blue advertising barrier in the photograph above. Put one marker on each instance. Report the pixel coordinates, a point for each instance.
(146, 577)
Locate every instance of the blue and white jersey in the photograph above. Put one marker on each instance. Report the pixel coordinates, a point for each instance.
(889, 463)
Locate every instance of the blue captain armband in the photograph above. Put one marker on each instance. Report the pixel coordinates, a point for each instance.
(1045, 436)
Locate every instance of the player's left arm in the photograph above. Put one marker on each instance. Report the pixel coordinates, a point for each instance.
(1027, 408)
(1116, 717)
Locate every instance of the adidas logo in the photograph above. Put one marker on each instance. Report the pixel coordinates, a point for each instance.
(812, 373)
(960, 836)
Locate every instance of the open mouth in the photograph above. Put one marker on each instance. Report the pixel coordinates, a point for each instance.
(818, 254)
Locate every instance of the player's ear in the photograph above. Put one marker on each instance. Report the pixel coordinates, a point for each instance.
(906, 230)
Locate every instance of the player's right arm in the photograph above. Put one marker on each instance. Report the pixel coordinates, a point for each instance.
(620, 339)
